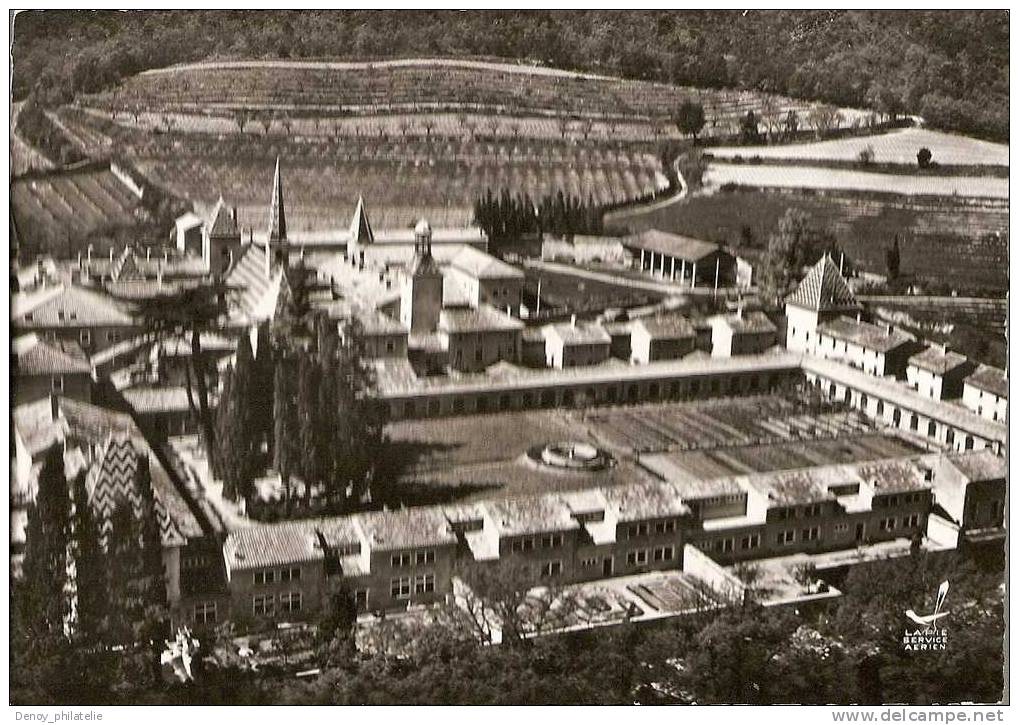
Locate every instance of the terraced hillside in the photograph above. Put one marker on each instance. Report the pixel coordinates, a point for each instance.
(402, 178)
(309, 88)
(60, 212)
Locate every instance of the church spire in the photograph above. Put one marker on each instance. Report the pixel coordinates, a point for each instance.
(277, 212)
(360, 228)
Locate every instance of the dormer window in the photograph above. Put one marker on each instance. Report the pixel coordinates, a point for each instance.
(29, 317)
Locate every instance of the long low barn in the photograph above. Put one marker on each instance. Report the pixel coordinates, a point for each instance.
(682, 259)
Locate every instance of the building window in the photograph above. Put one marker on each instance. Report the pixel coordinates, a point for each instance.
(551, 568)
(811, 534)
(265, 576)
(636, 530)
(291, 574)
(887, 524)
(663, 553)
(665, 527)
(637, 557)
(85, 337)
(841, 528)
(290, 602)
(263, 605)
(404, 558)
(786, 537)
(522, 545)
(390, 346)
(205, 613)
(424, 583)
(424, 557)
(812, 510)
(361, 599)
(400, 588)
(57, 383)
(551, 541)
(751, 541)
(112, 336)
(588, 562)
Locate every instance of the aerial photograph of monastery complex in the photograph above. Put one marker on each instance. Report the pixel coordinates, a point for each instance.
(508, 357)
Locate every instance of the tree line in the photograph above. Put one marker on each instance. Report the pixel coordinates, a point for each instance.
(512, 215)
(950, 67)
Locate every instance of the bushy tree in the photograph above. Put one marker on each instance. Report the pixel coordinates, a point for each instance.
(690, 118)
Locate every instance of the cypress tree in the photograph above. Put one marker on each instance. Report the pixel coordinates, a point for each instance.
(90, 574)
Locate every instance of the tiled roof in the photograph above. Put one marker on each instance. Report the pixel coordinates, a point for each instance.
(641, 501)
(748, 323)
(989, 379)
(864, 334)
(44, 357)
(823, 289)
(937, 360)
(666, 328)
(151, 399)
(69, 306)
(892, 476)
(111, 480)
(476, 319)
(579, 334)
(786, 488)
(258, 289)
(480, 265)
(413, 527)
(979, 465)
(223, 222)
(531, 515)
(264, 545)
(673, 245)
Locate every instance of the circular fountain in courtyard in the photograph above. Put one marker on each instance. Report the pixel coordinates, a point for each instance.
(570, 456)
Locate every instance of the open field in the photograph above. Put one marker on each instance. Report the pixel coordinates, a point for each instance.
(61, 210)
(896, 147)
(314, 88)
(972, 234)
(815, 177)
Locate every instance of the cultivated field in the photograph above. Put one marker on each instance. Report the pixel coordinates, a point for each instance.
(59, 211)
(973, 234)
(896, 147)
(814, 177)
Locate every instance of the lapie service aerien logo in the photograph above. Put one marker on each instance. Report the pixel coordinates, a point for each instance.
(928, 636)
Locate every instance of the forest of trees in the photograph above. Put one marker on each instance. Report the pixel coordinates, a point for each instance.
(949, 67)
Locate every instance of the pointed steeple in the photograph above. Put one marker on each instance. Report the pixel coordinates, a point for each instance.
(360, 228)
(277, 212)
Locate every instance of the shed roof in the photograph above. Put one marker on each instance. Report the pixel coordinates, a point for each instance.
(49, 357)
(938, 360)
(666, 328)
(673, 245)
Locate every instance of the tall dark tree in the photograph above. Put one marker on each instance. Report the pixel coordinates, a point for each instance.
(892, 259)
(690, 118)
(188, 314)
(89, 572)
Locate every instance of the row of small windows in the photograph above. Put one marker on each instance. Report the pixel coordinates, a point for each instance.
(530, 543)
(402, 587)
(412, 558)
(639, 557)
(892, 523)
(795, 512)
(634, 531)
(265, 605)
(271, 576)
(899, 499)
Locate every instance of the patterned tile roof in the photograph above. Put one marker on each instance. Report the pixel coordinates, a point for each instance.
(264, 545)
(823, 289)
(111, 480)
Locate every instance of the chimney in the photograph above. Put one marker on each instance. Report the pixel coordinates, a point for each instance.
(54, 406)
(233, 214)
(166, 256)
(148, 253)
(111, 252)
(739, 312)
(942, 347)
(859, 316)
(89, 253)
(573, 320)
(159, 274)
(79, 260)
